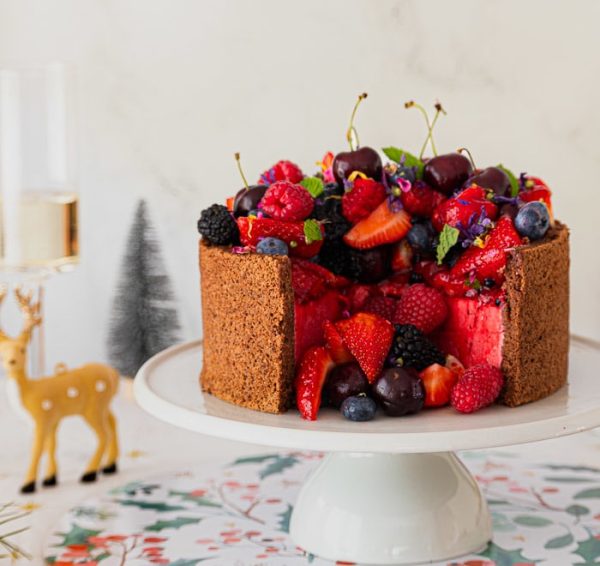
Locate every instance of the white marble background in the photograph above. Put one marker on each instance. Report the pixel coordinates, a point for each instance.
(169, 90)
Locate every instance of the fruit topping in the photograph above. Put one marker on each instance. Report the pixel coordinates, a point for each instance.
(272, 246)
(438, 381)
(479, 387)
(465, 209)
(364, 159)
(446, 173)
(385, 307)
(421, 200)
(217, 226)
(413, 350)
(399, 391)
(490, 259)
(454, 365)
(382, 226)
(294, 234)
(359, 408)
(402, 256)
(368, 338)
(421, 306)
(533, 220)
(247, 200)
(361, 199)
(282, 171)
(310, 280)
(286, 201)
(335, 345)
(316, 364)
(493, 178)
(421, 238)
(328, 209)
(534, 189)
(345, 381)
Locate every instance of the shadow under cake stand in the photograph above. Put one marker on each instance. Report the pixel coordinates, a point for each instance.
(390, 491)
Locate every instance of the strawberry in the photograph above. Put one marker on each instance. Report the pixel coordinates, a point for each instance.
(316, 364)
(335, 345)
(382, 226)
(402, 255)
(358, 295)
(438, 381)
(385, 307)
(451, 285)
(307, 285)
(479, 387)
(421, 306)
(331, 279)
(282, 171)
(536, 189)
(362, 199)
(286, 201)
(421, 200)
(460, 209)
(368, 338)
(490, 260)
(292, 233)
(427, 269)
(454, 365)
(394, 286)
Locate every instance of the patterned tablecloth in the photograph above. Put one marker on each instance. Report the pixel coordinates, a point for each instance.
(239, 515)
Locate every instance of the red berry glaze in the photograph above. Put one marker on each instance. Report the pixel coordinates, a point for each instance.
(421, 306)
(282, 171)
(479, 387)
(362, 199)
(286, 201)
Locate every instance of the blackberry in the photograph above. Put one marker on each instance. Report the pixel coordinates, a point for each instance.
(411, 349)
(217, 226)
(329, 210)
(340, 259)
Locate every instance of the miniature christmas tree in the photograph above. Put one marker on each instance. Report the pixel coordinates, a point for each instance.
(144, 318)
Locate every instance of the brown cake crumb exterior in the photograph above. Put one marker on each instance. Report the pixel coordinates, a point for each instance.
(248, 319)
(535, 352)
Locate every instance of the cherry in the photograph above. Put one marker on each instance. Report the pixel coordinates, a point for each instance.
(399, 391)
(248, 197)
(448, 172)
(374, 264)
(345, 381)
(364, 159)
(492, 178)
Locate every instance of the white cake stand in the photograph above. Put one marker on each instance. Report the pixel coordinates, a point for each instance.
(390, 491)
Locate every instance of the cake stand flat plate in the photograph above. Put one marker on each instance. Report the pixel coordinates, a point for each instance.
(168, 387)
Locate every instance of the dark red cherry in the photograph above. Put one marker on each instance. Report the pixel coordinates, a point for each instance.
(446, 173)
(374, 264)
(247, 199)
(492, 178)
(345, 381)
(366, 160)
(399, 391)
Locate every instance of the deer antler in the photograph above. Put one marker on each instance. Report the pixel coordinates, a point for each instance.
(3, 292)
(31, 312)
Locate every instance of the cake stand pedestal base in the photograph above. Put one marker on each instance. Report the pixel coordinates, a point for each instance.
(391, 509)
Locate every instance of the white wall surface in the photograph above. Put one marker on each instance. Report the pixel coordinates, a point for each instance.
(169, 90)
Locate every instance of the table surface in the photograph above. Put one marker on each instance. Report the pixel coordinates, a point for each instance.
(150, 447)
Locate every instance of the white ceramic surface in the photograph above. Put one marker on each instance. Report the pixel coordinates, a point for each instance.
(167, 387)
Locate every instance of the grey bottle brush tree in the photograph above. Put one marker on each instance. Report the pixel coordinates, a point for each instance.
(144, 319)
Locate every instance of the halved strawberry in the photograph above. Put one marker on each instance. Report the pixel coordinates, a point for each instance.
(292, 233)
(402, 255)
(438, 381)
(358, 294)
(454, 365)
(368, 337)
(489, 261)
(459, 209)
(316, 364)
(382, 226)
(335, 345)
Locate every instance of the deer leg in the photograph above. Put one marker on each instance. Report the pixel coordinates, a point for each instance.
(113, 446)
(50, 479)
(36, 453)
(99, 424)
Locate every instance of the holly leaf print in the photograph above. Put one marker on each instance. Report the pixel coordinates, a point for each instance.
(503, 557)
(277, 465)
(157, 506)
(559, 542)
(77, 535)
(284, 519)
(199, 500)
(593, 493)
(172, 524)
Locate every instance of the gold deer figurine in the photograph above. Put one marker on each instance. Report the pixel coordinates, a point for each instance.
(85, 391)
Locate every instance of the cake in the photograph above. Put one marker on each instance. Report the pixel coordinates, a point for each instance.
(411, 284)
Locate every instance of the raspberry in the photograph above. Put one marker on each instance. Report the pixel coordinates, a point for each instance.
(364, 197)
(479, 387)
(385, 307)
(286, 201)
(282, 171)
(421, 306)
(421, 200)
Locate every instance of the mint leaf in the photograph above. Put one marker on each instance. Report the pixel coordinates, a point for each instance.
(313, 185)
(448, 237)
(312, 231)
(514, 183)
(398, 155)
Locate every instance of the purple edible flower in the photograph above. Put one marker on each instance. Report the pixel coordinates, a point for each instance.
(476, 228)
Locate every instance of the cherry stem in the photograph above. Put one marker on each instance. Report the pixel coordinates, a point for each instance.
(430, 125)
(351, 133)
(438, 110)
(239, 166)
(465, 150)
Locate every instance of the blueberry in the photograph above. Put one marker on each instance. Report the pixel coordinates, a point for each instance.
(533, 220)
(359, 408)
(272, 246)
(420, 237)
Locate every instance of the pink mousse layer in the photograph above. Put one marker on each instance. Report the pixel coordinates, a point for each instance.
(473, 332)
